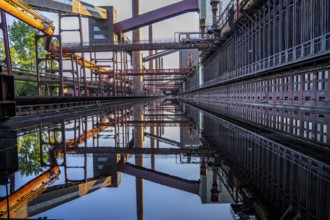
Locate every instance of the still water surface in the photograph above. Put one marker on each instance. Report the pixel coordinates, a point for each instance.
(169, 160)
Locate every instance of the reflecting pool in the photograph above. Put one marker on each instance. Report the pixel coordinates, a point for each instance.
(167, 159)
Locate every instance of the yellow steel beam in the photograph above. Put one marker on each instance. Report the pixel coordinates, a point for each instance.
(27, 15)
(39, 182)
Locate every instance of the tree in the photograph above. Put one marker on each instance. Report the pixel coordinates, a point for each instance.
(22, 41)
(29, 157)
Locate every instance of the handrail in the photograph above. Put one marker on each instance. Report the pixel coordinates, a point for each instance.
(271, 62)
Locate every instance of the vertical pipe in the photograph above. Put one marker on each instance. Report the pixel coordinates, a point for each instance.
(153, 131)
(114, 83)
(136, 55)
(82, 56)
(64, 147)
(60, 66)
(85, 154)
(121, 74)
(60, 54)
(6, 42)
(78, 77)
(37, 64)
(151, 62)
(73, 77)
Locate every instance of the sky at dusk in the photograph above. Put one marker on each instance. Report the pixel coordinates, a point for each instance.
(162, 30)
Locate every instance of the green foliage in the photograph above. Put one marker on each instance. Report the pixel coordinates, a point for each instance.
(25, 88)
(22, 41)
(29, 154)
(29, 151)
(13, 54)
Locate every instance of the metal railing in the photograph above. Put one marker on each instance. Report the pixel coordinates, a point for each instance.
(311, 49)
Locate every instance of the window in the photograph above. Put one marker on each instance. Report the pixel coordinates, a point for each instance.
(277, 84)
(96, 28)
(264, 85)
(264, 119)
(285, 84)
(64, 2)
(308, 127)
(296, 126)
(321, 133)
(270, 86)
(296, 83)
(278, 120)
(258, 86)
(286, 124)
(308, 81)
(270, 120)
(258, 118)
(100, 36)
(322, 80)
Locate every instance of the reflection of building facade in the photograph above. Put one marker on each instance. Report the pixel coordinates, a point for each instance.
(313, 127)
(246, 169)
(190, 136)
(289, 180)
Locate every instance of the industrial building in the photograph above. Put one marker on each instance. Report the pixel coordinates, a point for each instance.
(250, 97)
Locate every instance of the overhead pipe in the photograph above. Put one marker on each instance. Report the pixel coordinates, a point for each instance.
(38, 182)
(10, 9)
(156, 15)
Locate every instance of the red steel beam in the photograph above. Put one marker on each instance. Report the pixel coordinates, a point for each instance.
(191, 186)
(163, 84)
(150, 72)
(157, 15)
(163, 79)
(150, 122)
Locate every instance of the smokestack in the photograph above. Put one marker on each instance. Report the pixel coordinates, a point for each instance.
(214, 5)
(136, 55)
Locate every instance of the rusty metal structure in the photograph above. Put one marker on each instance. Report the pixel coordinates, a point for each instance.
(87, 136)
(263, 68)
(268, 52)
(80, 69)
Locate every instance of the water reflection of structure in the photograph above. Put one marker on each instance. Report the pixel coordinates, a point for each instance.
(8, 153)
(83, 136)
(311, 126)
(279, 182)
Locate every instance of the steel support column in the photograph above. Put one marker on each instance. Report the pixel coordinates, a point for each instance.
(3, 27)
(136, 57)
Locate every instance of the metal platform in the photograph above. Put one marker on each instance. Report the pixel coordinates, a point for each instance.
(105, 47)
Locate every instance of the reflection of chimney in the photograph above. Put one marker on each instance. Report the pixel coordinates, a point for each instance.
(203, 170)
(215, 185)
(139, 199)
(138, 143)
(214, 5)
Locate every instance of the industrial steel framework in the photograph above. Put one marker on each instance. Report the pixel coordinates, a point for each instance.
(273, 52)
